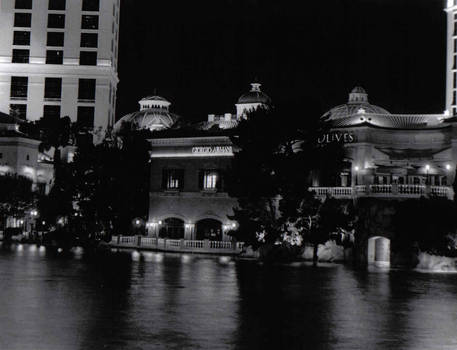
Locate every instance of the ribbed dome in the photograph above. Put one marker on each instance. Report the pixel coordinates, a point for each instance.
(357, 104)
(153, 115)
(255, 95)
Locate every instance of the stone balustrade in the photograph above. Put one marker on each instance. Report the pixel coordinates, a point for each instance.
(385, 191)
(177, 245)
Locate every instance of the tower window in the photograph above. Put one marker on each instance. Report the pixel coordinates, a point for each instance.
(51, 111)
(91, 5)
(23, 20)
(20, 56)
(57, 5)
(55, 39)
(56, 20)
(54, 57)
(89, 22)
(19, 87)
(18, 111)
(85, 117)
(86, 89)
(89, 39)
(23, 4)
(21, 38)
(88, 58)
(52, 88)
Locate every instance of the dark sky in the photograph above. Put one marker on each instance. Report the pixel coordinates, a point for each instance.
(201, 55)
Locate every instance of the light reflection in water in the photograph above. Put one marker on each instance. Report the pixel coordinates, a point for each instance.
(210, 303)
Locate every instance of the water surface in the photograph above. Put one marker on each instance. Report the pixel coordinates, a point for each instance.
(160, 301)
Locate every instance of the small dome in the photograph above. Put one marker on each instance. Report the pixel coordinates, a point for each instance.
(357, 104)
(255, 95)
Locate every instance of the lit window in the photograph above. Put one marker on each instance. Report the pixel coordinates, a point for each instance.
(209, 179)
(172, 179)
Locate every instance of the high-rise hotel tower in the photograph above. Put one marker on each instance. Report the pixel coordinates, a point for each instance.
(59, 58)
(451, 58)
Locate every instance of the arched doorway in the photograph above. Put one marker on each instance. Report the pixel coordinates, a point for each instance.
(172, 228)
(379, 251)
(209, 229)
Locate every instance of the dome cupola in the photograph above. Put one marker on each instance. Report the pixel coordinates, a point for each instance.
(252, 100)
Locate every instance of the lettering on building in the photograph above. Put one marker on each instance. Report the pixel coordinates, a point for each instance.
(212, 149)
(344, 137)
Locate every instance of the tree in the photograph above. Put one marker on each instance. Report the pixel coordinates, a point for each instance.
(271, 172)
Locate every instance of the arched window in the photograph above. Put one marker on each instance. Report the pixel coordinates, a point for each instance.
(209, 229)
(172, 228)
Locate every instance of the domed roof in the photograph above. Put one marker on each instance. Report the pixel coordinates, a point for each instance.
(153, 115)
(357, 104)
(255, 95)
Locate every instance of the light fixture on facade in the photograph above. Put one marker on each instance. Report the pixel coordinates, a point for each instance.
(448, 167)
(427, 167)
(356, 168)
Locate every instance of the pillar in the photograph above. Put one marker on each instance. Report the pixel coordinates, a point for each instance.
(189, 232)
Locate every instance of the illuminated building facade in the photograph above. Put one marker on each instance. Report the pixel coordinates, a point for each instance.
(390, 155)
(19, 155)
(188, 199)
(59, 58)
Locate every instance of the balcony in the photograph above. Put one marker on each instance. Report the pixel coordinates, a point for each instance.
(384, 191)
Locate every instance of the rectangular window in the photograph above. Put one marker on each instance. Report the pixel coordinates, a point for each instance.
(23, 4)
(20, 56)
(53, 89)
(172, 179)
(454, 80)
(85, 117)
(55, 39)
(91, 5)
(89, 39)
(56, 20)
(21, 38)
(89, 22)
(86, 90)
(54, 57)
(52, 112)
(57, 5)
(19, 86)
(209, 179)
(88, 58)
(18, 111)
(23, 20)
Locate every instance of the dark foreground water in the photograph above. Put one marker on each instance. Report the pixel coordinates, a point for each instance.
(48, 301)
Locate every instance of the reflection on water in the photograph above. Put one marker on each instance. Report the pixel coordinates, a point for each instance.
(148, 300)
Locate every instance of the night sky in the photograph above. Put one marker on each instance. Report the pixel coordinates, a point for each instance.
(202, 55)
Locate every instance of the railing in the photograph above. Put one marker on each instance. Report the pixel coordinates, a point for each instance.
(376, 190)
(180, 245)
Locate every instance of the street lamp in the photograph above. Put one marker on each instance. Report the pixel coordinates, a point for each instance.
(427, 169)
(356, 168)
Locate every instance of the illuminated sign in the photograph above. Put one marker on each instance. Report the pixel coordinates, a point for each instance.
(212, 150)
(344, 137)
